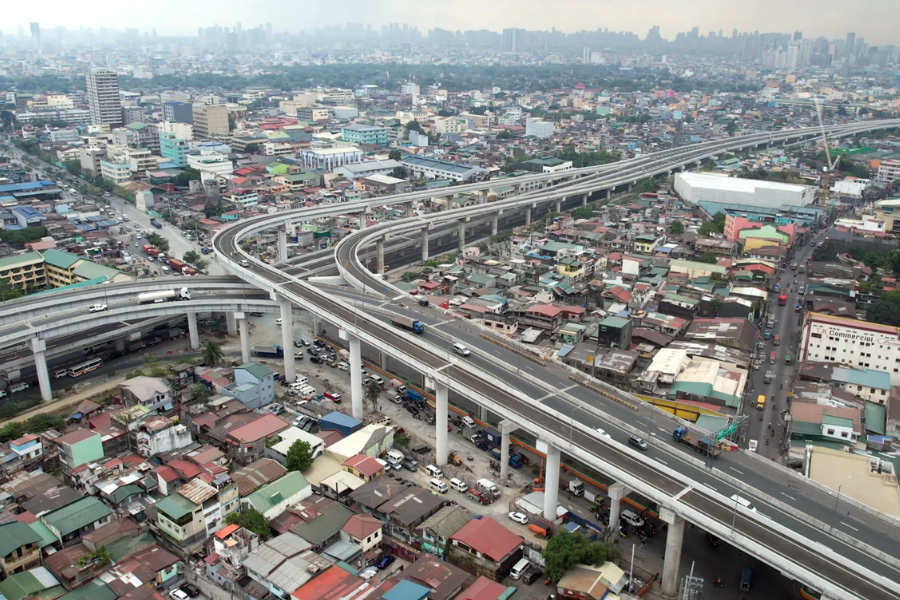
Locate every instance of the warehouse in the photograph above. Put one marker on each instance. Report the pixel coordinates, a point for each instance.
(709, 187)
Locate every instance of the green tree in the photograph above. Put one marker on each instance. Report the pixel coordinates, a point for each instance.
(825, 253)
(708, 257)
(676, 228)
(212, 353)
(373, 390)
(252, 520)
(504, 135)
(299, 456)
(884, 313)
(395, 154)
(7, 120)
(414, 126)
(400, 172)
(565, 550)
(187, 175)
(8, 292)
(731, 127)
(251, 148)
(583, 212)
(190, 225)
(43, 422)
(11, 431)
(201, 392)
(646, 186)
(19, 238)
(158, 241)
(191, 257)
(716, 304)
(401, 440)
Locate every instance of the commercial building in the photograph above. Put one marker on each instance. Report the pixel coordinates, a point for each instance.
(117, 172)
(888, 211)
(367, 168)
(210, 121)
(210, 164)
(313, 113)
(174, 148)
(328, 159)
(852, 343)
(537, 127)
(103, 97)
(709, 187)
(90, 159)
(365, 134)
(180, 112)
(432, 168)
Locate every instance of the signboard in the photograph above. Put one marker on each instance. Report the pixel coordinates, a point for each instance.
(726, 431)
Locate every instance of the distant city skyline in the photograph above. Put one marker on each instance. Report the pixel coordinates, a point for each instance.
(873, 20)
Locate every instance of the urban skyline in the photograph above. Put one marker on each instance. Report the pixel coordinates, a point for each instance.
(569, 16)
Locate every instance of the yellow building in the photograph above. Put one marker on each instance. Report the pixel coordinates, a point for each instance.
(23, 271)
(753, 243)
(53, 268)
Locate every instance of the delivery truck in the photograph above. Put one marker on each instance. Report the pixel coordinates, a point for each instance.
(409, 324)
(268, 351)
(164, 296)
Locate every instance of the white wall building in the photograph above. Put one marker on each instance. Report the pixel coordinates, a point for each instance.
(857, 344)
(538, 127)
(710, 187)
(210, 164)
(327, 159)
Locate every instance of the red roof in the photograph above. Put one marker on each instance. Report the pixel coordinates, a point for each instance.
(544, 309)
(333, 584)
(185, 469)
(264, 426)
(488, 537)
(483, 589)
(168, 474)
(366, 465)
(24, 440)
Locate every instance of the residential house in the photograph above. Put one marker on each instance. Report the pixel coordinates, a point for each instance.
(150, 392)
(77, 449)
(364, 532)
(435, 532)
(247, 442)
(273, 498)
(486, 547)
(74, 520)
(20, 548)
(443, 579)
(284, 564)
(254, 385)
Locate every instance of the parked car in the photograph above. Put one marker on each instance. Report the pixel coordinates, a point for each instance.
(343, 366)
(410, 466)
(637, 442)
(191, 590)
(518, 517)
(531, 576)
(178, 595)
(385, 561)
(368, 573)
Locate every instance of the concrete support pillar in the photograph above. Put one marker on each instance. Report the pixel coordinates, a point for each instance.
(629, 188)
(551, 484)
(282, 244)
(516, 189)
(674, 539)
(120, 345)
(558, 206)
(379, 251)
(482, 196)
(483, 414)
(244, 327)
(584, 200)
(425, 244)
(383, 360)
(441, 393)
(193, 331)
(527, 216)
(461, 234)
(39, 349)
(494, 219)
(616, 492)
(363, 215)
(408, 210)
(287, 338)
(356, 379)
(608, 194)
(230, 324)
(506, 427)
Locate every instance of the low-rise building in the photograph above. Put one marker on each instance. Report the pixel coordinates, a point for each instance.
(486, 547)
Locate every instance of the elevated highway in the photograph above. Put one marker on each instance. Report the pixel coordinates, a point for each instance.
(804, 548)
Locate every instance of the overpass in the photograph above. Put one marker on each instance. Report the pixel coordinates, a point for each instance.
(802, 546)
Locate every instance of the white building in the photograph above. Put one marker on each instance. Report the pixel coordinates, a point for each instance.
(710, 187)
(449, 125)
(889, 170)
(103, 96)
(367, 168)
(328, 159)
(182, 131)
(538, 127)
(158, 434)
(857, 344)
(210, 164)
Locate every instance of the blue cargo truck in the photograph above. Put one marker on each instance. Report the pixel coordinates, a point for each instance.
(156, 223)
(269, 351)
(409, 324)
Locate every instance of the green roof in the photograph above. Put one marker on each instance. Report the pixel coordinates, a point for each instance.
(176, 506)
(136, 126)
(875, 414)
(92, 590)
(837, 421)
(24, 584)
(91, 270)
(73, 517)
(77, 285)
(617, 322)
(324, 526)
(123, 492)
(60, 259)
(14, 535)
(256, 369)
(47, 537)
(15, 259)
(126, 546)
(275, 492)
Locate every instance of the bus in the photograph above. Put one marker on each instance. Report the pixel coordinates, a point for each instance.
(761, 403)
(85, 367)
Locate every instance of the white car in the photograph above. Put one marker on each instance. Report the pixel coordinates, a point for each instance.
(344, 366)
(278, 321)
(368, 573)
(178, 595)
(518, 518)
(244, 263)
(98, 308)
(603, 433)
(18, 387)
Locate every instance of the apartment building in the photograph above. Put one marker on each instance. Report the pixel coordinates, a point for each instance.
(538, 127)
(181, 112)
(365, 134)
(210, 121)
(78, 448)
(90, 159)
(116, 172)
(103, 97)
(210, 164)
(328, 159)
(432, 168)
(23, 271)
(174, 148)
(313, 113)
(889, 170)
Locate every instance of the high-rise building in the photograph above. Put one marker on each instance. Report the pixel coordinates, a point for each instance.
(513, 40)
(850, 46)
(103, 97)
(181, 112)
(36, 36)
(210, 121)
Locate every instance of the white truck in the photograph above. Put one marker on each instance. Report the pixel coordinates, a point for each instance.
(164, 296)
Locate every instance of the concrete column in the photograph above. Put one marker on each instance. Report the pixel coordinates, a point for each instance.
(244, 327)
(356, 379)
(584, 200)
(494, 219)
(461, 234)
(282, 244)
(516, 189)
(558, 206)
(408, 210)
(674, 539)
(441, 393)
(287, 338)
(608, 194)
(616, 492)
(482, 196)
(39, 349)
(551, 484)
(482, 414)
(383, 360)
(425, 244)
(504, 454)
(527, 216)
(230, 324)
(193, 331)
(629, 188)
(379, 251)
(120, 345)
(363, 215)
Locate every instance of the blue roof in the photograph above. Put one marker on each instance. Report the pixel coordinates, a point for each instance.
(341, 419)
(28, 212)
(31, 185)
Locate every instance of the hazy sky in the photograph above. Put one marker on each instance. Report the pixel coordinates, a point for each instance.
(876, 20)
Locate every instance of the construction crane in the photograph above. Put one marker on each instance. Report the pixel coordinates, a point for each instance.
(831, 166)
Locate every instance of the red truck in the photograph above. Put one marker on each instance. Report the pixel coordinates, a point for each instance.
(782, 300)
(146, 248)
(178, 266)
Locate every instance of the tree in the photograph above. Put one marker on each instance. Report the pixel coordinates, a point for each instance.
(565, 550)
(8, 292)
(190, 225)
(583, 212)
(399, 172)
(825, 253)
(401, 440)
(373, 389)
(7, 119)
(414, 126)
(504, 135)
(676, 228)
(709, 258)
(731, 127)
(299, 456)
(884, 313)
(395, 154)
(715, 304)
(11, 431)
(252, 520)
(158, 241)
(21, 237)
(201, 392)
(251, 148)
(187, 175)
(191, 257)
(212, 353)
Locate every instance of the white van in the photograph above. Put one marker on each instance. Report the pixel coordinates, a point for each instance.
(743, 502)
(459, 485)
(300, 381)
(519, 568)
(434, 471)
(469, 422)
(461, 350)
(395, 456)
(438, 486)
(60, 373)
(378, 379)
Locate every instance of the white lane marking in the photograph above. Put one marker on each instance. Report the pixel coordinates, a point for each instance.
(788, 496)
(736, 471)
(667, 464)
(712, 488)
(529, 368)
(661, 429)
(850, 526)
(682, 492)
(497, 352)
